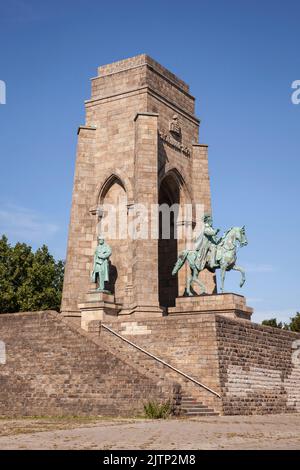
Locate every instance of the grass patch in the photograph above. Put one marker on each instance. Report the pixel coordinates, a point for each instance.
(155, 410)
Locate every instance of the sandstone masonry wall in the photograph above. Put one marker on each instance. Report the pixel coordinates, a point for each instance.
(188, 344)
(52, 369)
(259, 368)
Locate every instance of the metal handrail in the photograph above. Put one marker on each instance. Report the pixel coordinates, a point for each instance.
(161, 361)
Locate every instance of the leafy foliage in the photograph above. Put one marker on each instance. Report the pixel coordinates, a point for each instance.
(29, 281)
(272, 322)
(294, 324)
(156, 410)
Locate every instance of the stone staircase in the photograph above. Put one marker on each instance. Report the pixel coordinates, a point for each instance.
(55, 369)
(188, 397)
(191, 407)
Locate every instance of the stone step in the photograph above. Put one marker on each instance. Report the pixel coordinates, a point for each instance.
(202, 413)
(196, 408)
(187, 400)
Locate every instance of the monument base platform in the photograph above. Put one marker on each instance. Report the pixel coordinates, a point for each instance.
(142, 311)
(229, 305)
(97, 306)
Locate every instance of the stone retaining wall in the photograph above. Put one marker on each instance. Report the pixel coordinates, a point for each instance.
(48, 367)
(259, 368)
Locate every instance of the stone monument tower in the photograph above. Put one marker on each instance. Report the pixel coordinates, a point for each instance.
(142, 330)
(138, 147)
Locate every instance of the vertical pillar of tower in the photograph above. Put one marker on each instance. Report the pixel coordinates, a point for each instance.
(80, 249)
(201, 193)
(145, 249)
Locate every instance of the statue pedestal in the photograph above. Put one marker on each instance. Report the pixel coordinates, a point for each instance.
(228, 305)
(97, 306)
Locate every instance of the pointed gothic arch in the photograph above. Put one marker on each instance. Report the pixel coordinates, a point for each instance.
(110, 178)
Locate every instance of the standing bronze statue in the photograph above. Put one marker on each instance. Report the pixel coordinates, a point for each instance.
(212, 253)
(100, 273)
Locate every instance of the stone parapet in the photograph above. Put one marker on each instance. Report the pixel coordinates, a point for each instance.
(140, 61)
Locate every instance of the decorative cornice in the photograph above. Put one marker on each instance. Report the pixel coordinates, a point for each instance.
(151, 91)
(86, 128)
(145, 114)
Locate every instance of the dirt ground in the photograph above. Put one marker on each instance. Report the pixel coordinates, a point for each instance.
(221, 432)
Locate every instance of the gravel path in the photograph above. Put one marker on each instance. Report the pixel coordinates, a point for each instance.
(224, 432)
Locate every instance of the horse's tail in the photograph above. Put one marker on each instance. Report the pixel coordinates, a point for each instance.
(180, 262)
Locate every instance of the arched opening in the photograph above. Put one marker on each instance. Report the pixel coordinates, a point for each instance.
(169, 194)
(113, 224)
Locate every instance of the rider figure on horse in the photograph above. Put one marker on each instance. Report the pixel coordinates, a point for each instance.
(206, 245)
(212, 253)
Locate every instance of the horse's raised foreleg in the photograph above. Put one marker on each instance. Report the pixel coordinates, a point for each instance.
(242, 271)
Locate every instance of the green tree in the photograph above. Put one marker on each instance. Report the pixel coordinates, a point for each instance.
(8, 297)
(29, 281)
(295, 323)
(272, 322)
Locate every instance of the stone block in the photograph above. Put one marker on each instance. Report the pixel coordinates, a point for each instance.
(228, 305)
(97, 306)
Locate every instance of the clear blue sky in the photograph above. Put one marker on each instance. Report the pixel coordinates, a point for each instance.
(239, 57)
